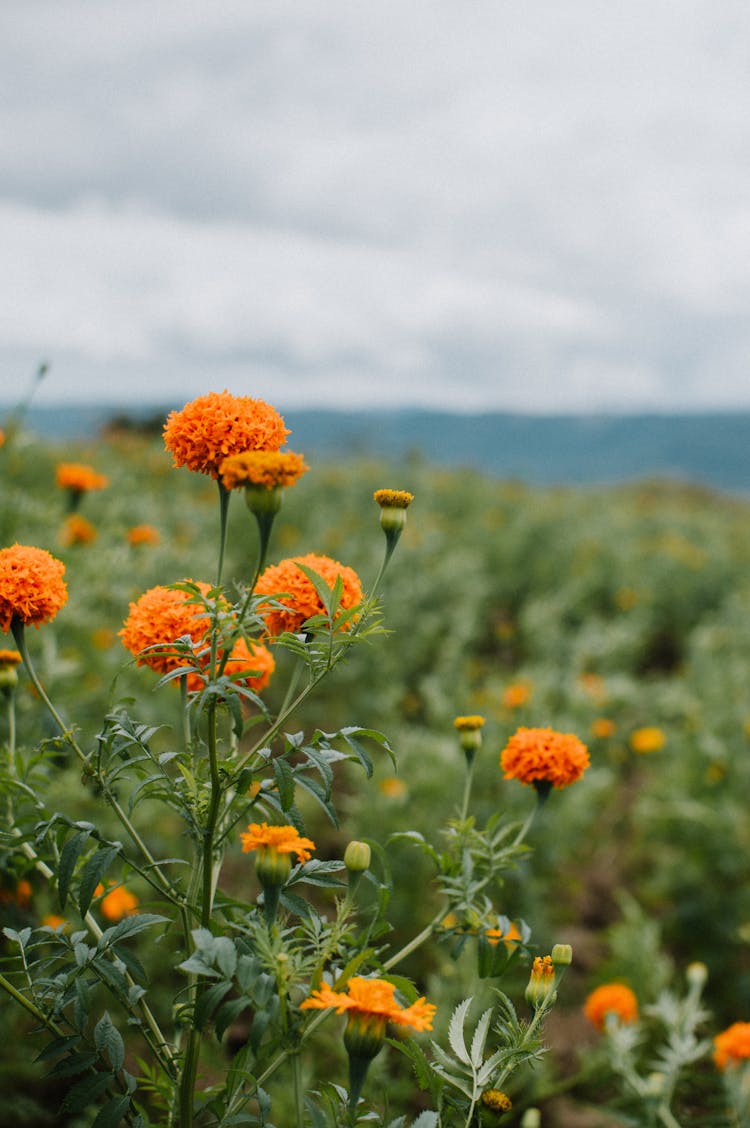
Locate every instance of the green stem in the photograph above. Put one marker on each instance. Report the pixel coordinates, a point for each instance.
(467, 787)
(19, 634)
(299, 1103)
(224, 496)
(30, 1007)
(415, 942)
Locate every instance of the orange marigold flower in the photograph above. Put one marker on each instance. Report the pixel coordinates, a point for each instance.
(51, 920)
(117, 904)
(297, 594)
(541, 756)
(157, 620)
(254, 661)
(267, 468)
(602, 727)
(210, 428)
(647, 739)
(276, 839)
(142, 534)
(611, 998)
(392, 787)
(372, 999)
(23, 893)
(77, 530)
(510, 939)
(79, 478)
(515, 695)
(32, 588)
(732, 1045)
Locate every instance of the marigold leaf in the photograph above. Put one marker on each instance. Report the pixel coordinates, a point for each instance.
(92, 874)
(107, 1039)
(69, 855)
(456, 1031)
(86, 1091)
(113, 1112)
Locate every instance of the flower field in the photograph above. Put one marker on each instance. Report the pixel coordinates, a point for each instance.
(399, 812)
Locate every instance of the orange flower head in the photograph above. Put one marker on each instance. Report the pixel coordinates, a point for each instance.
(469, 724)
(276, 839)
(392, 787)
(511, 939)
(117, 904)
(77, 530)
(142, 535)
(602, 727)
(373, 1000)
(515, 695)
(254, 662)
(269, 469)
(296, 592)
(732, 1046)
(158, 619)
(52, 920)
(541, 756)
(9, 659)
(210, 428)
(647, 739)
(32, 589)
(611, 998)
(79, 478)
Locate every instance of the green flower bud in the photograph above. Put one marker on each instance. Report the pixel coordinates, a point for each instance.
(357, 857)
(562, 955)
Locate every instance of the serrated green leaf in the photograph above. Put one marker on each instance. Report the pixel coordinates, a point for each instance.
(108, 1040)
(456, 1031)
(74, 1064)
(209, 1000)
(479, 1040)
(113, 1112)
(226, 1015)
(69, 855)
(92, 874)
(129, 926)
(284, 782)
(86, 1091)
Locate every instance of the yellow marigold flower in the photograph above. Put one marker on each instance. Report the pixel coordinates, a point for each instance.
(515, 695)
(119, 903)
(373, 1000)
(157, 619)
(142, 534)
(393, 499)
(392, 787)
(541, 756)
(32, 589)
(79, 478)
(277, 840)
(300, 601)
(77, 530)
(496, 1100)
(647, 739)
(602, 727)
(210, 428)
(270, 469)
(9, 659)
(541, 986)
(733, 1045)
(611, 998)
(510, 939)
(469, 724)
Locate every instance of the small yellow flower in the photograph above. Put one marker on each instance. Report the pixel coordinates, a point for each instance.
(647, 739)
(469, 724)
(496, 1100)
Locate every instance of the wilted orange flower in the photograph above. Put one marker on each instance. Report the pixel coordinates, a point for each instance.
(267, 468)
(255, 661)
(32, 588)
(372, 999)
(647, 739)
(732, 1045)
(142, 534)
(79, 478)
(211, 427)
(158, 619)
(77, 530)
(276, 839)
(541, 755)
(611, 998)
(515, 695)
(117, 904)
(510, 939)
(602, 727)
(301, 600)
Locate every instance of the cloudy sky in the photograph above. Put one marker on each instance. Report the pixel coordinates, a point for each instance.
(526, 204)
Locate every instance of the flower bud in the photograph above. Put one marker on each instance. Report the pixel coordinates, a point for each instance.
(532, 1118)
(496, 1100)
(393, 505)
(540, 991)
(697, 974)
(357, 857)
(272, 867)
(562, 955)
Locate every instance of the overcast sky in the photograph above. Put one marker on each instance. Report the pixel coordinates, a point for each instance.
(503, 203)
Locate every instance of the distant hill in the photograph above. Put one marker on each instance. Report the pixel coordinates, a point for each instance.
(707, 449)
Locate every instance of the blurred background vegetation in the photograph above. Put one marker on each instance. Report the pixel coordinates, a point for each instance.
(620, 614)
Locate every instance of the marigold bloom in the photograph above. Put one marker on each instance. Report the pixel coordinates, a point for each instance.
(254, 661)
(79, 478)
(157, 619)
(392, 787)
(23, 893)
(469, 724)
(647, 739)
(300, 599)
(515, 695)
(51, 920)
(32, 588)
(276, 839)
(372, 999)
(142, 534)
(77, 530)
(733, 1045)
(117, 904)
(496, 1100)
(541, 755)
(210, 428)
(9, 659)
(611, 998)
(602, 727)
(393, 499)
(270, 469)
(511, 939)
